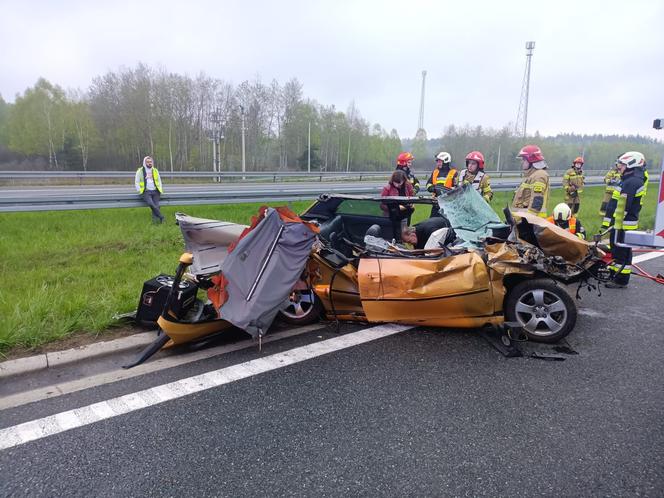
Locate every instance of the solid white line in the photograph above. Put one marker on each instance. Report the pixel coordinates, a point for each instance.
(79, 417)
(72, 386)
(646, 256)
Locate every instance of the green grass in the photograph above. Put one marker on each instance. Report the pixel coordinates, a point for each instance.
(71, 271)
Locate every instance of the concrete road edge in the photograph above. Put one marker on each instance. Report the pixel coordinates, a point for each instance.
(30, 364)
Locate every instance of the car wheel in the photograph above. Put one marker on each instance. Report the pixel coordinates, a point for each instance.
(545, 310)
(303, 308)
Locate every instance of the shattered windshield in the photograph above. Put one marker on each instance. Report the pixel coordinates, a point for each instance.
(470, 215)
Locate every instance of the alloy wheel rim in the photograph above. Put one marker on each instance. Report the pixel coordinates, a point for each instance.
(300, 304)
(541, 312)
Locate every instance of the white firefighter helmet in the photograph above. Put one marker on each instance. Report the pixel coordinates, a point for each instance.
(562, 212)
(445, 157)
(632, 159)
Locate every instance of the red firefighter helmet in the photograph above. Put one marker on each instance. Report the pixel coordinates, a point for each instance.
(531, 153)
(578, 160)
(475, 155)
(403, 158)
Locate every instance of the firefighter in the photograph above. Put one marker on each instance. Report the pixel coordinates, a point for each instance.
(611, 180)
(622, 214)
(562, 217)
(533, 193)
(474, 175)
(404, 163)
(573, 181)
(444, 176)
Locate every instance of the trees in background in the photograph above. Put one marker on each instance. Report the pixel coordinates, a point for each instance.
(37, 122)
(129, 113)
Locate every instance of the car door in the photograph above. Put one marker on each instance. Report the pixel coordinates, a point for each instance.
(450, 291)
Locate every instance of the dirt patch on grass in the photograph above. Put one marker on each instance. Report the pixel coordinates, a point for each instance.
(74, 341)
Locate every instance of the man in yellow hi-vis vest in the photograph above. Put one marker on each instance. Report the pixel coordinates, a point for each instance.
(533, 193)
(148, 185)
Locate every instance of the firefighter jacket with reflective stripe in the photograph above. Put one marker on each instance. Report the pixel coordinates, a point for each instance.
(412, 179)
(139, 181)
(625, 205)
(533, 193)
(612, 180)
(573, 181)
(573, 226)
(442, 178)
(479, 181)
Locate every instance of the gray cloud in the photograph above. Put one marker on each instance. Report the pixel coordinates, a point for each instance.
(597, 65)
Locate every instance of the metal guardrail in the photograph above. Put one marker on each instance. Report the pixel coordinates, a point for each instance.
(253, 175)
(62, 202)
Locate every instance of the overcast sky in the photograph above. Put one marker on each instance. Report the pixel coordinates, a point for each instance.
(598, 66)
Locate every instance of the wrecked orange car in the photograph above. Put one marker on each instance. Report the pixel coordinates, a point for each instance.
(342, 259)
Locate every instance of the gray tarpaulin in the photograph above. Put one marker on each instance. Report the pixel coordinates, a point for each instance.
(208, 241)
(262, 270)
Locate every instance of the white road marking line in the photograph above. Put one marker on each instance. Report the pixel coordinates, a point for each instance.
(102, 410)
(646, 256)
(54, 424)
(72, 386)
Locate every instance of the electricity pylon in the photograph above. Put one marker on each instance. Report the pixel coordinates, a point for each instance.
(522, 115)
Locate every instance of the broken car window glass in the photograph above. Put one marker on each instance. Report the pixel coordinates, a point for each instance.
(469, 214)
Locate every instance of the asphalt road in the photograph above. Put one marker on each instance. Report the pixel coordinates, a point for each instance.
(419, 413)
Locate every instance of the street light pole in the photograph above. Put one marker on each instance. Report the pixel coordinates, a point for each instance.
(309, 150)
(348, 156)
(244, 165)
(216, 136)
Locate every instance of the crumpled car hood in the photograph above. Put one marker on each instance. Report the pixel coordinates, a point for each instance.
(550, 238)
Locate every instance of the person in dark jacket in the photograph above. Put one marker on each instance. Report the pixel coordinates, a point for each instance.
(622, 214)
(419, 234)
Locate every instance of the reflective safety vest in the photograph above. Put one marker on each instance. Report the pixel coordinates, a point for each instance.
(448, 182)
(479, 181)
(572, 224)
(475, 182)
(141, 179)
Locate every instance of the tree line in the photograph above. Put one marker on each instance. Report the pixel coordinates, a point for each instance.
(129, 113)
(183, 122)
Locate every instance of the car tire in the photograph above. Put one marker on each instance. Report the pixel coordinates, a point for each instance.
(303, 308)
(545, 310)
